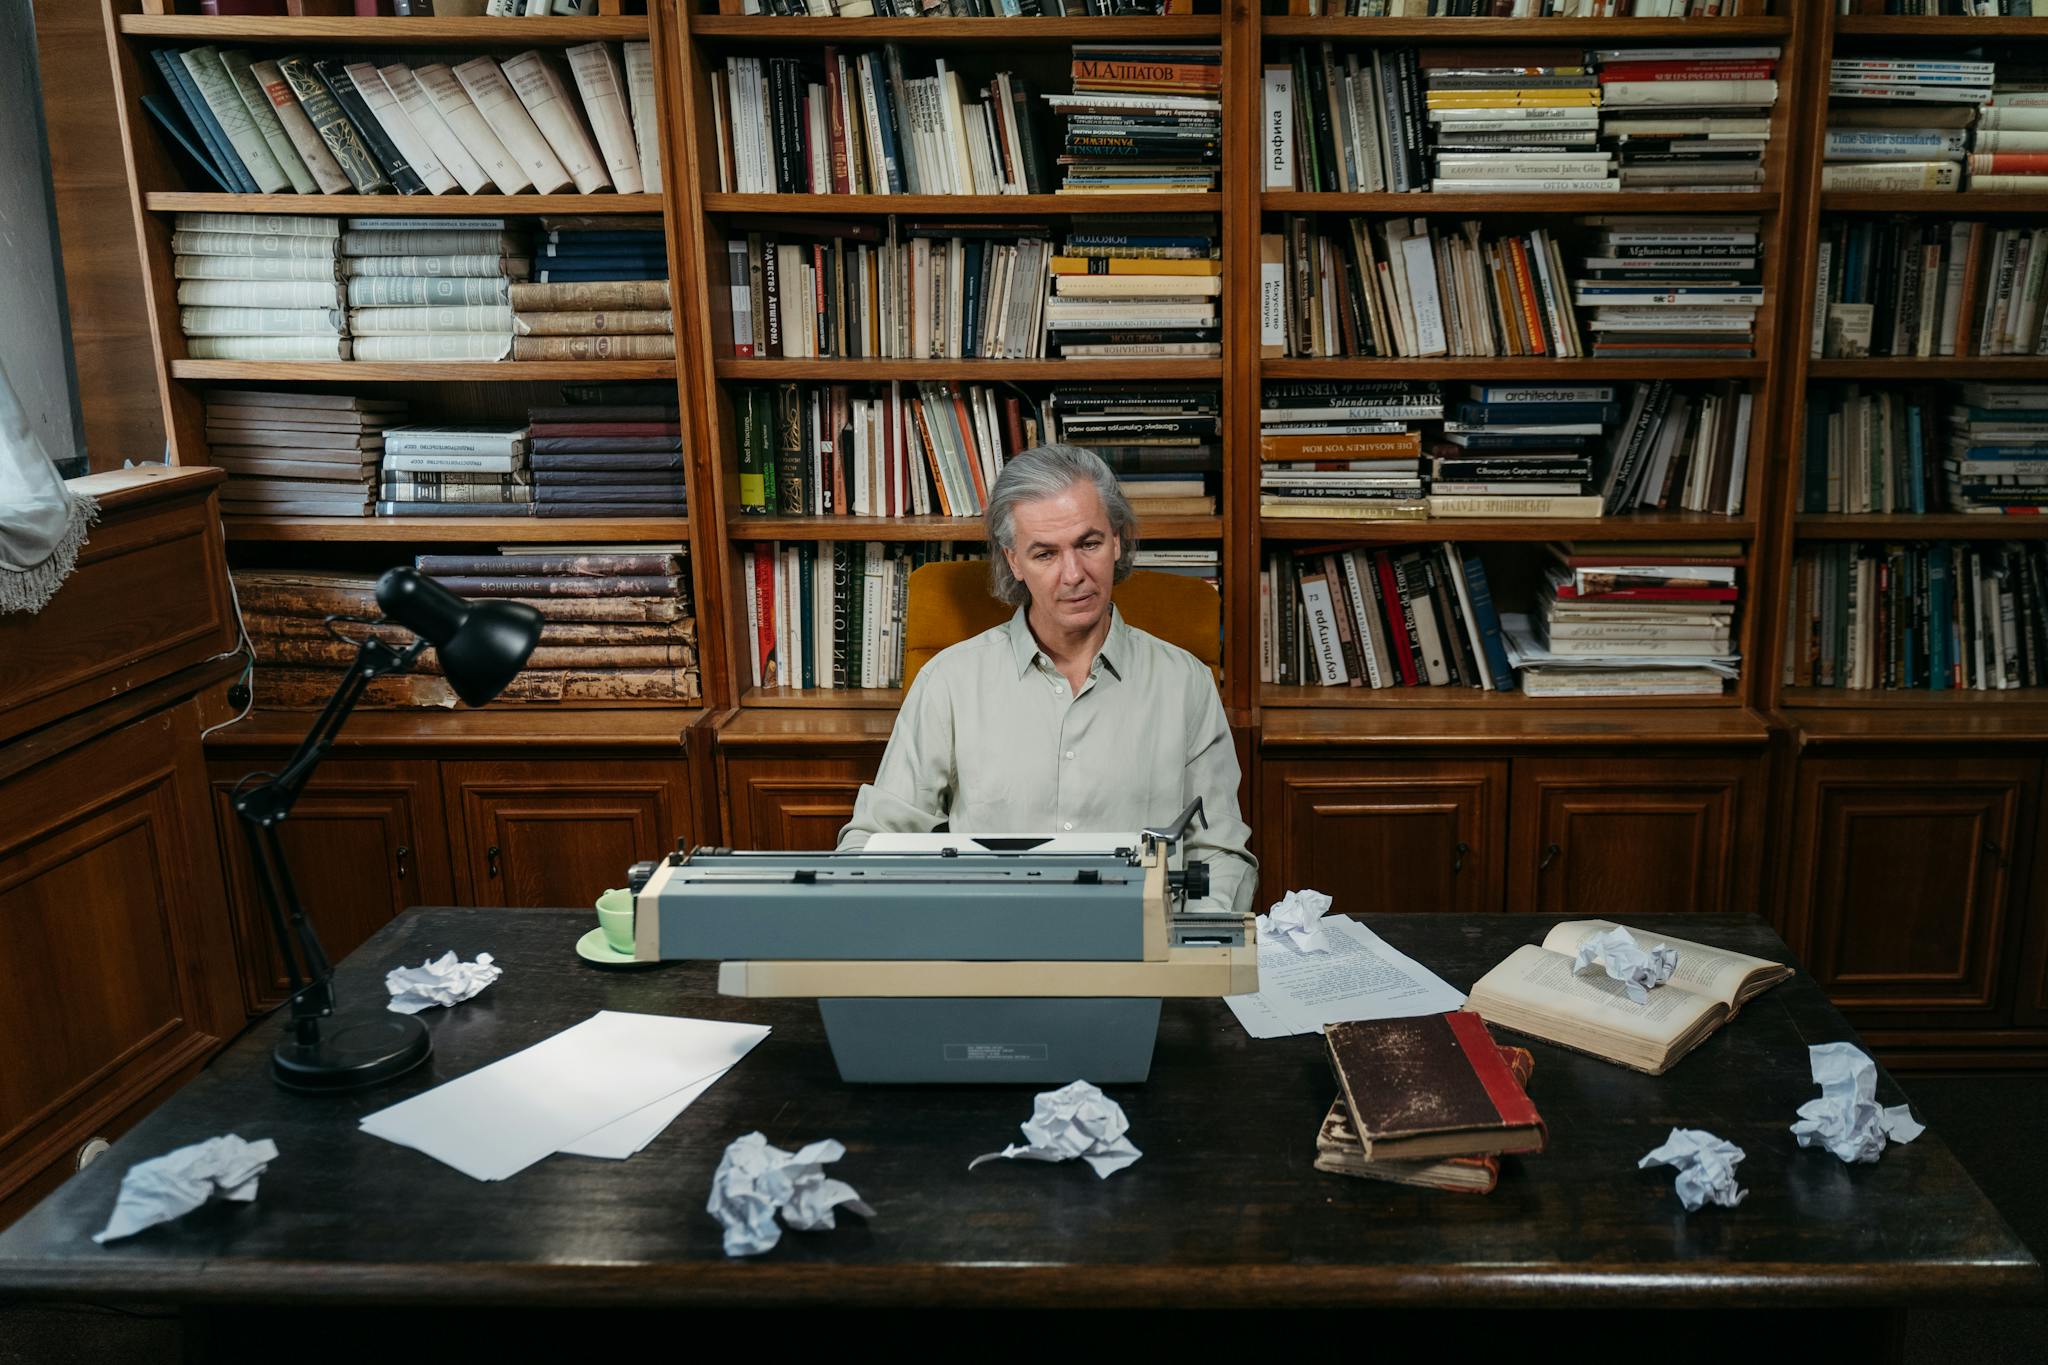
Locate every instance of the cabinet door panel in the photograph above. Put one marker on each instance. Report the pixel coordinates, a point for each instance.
(365, 841)
(1614, 838)
(792, 804)
(1395, 836)
(1904, 873)
(560, 831)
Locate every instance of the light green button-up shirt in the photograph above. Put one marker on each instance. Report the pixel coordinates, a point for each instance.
(993, 740)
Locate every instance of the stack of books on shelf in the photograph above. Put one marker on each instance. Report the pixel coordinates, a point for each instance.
(1411, 287)
(1125, 287)
(1873, 450)
(887, 450)
(1672, 287)
(913, 291)
(1919, 616)
(1997, 461)
(830, 615)
(599, 293)
(618, 455)
(1542, 9)
(1960, 9)
(1624, 619)
(1915, 287)
(1403, 616)
(1688, 118)
(259, 287)
(331, 125)
(861, 123)
(1165, 442)
(1432, 1101)
(1900, 123)
(477, 470)
(1348, 449)
(966, 9)
(618, 627)
(297, 454)
(1205, 564)
(1679, 447)
(2010, 138)
(1521, 450)
(1142, 120)
(455, 278)
(1486, 95)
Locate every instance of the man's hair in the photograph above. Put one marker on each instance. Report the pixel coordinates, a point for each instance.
(1047, 472)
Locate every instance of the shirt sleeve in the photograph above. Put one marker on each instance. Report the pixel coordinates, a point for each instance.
(1213, 775)
(913, 790)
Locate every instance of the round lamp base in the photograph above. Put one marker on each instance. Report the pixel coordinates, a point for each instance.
(351, 1053)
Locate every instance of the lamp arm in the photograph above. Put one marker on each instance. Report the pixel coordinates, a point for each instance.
(273, 800)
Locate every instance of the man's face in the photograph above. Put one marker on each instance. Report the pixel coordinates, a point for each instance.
(1065, 554)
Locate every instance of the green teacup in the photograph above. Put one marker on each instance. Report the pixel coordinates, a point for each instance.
(615, 913)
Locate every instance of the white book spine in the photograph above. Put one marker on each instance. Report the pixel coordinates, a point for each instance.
(384, 108)
(259, 293)
(211, 321)
(1893, 175)
(452, 102)
(203, 64)
(426, 120)
(501, 108)
(1823, 268)
(603, 88)
(1276, 131)
(455, 347)
(264, 115)
(268, 348)
(421, 321)
(646, 121)
(546, 97)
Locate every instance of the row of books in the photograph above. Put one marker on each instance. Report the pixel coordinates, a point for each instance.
(829, 615)
(1542, 9)
(332, 125)
(1413, 616)
(1932, 616)
(1974, 447)
(1915, 124)
(1518, 119)
(618, 627)
(936, 448)
(1630, 619)
(1915, 287)
(1142, 120)
(425, 9)
(966, 9)
(1653, 286)
(1958, 9)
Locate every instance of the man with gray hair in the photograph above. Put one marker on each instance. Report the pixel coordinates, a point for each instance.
(1064, 718)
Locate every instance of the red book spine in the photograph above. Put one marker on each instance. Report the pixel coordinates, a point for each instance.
(764, 590)
(835, 122)
(1509, 1100)
(1614, 72)
(1390, 594)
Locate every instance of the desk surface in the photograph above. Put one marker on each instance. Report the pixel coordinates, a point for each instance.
(1223, 1208)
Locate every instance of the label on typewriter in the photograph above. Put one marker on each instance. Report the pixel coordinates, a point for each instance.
(996, 1052)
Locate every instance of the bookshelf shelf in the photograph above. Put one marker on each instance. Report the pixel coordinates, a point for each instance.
(425, 372)
(529, 725)
(1616, 31)
(384, 33)
(772, 30)
(1937, 26)
(1634, 201)
(1620, 721)
(1906, 526)
(407, 205)
(1952, 205)
(829, 371)
(1520, 367)
(820, 698)
(752, 528)
(960, 205)
(1462, 698)
(1649, 526)
(1900, 369)
(1917, 699)
(459, 530)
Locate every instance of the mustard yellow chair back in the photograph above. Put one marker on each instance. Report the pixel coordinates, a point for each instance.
(949, 602)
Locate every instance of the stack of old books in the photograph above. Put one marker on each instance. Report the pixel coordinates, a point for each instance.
(1896, 123)
(1163, 441)
(298, 454)
(259, 287)
(1521, 450)
(456, 471)
(1689, 118)
(1142, 120)
(599, 293)
(1431, 1101)
(619, 455)
(431, 293)
(1527, 93)
(1631, 619)
(1143, 287)
(1998, 449)
(1673, 287)
(1344, 448)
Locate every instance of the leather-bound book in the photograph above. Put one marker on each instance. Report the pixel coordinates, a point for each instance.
(1339, 1151)
(1434, 1086)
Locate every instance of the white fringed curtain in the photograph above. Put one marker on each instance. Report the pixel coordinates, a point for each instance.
(42, 522)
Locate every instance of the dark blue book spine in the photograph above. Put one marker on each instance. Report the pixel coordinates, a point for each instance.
(971, 302)
(807, 585)
(1524, 413)
(169, 116)
(1488, 621)
(194, 104)
(1816, 496)
(885, 118)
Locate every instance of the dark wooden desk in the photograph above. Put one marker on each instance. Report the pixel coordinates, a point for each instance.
(1224, 1209)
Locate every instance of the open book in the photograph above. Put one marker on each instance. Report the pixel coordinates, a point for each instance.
(1535, 992)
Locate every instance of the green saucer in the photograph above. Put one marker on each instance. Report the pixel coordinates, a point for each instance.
(593, 948)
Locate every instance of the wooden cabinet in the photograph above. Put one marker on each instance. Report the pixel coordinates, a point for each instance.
(1618, 837)
(365, 841)
(1904, 881)
(791, 803)
(559, 831)
(1402, 835)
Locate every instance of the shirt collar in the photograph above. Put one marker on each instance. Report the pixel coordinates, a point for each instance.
(1114, 655)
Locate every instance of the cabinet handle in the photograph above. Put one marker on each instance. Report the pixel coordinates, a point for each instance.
(491, 859)
(1550, 852)
(403, 851)
(1458, 857)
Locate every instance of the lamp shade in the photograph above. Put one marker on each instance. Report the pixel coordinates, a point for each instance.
(481, 645)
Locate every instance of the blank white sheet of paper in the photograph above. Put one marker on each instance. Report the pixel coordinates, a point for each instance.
(499, 1119)
(1361, 977)
(627, 1136)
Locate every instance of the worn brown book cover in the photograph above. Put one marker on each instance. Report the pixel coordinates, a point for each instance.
(1433, 1086)
(1339, 1151)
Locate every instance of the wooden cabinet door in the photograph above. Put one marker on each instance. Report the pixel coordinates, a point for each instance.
(1904, 872)
(1618, 837)
(792, 803)
(365, 841)
(560, 831)
(1384, 836)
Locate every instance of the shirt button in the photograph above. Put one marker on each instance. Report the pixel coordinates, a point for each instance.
(1068, 825)
(1058, 688)
(1070, 753)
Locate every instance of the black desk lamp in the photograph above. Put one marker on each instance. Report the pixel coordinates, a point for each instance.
(481, 646)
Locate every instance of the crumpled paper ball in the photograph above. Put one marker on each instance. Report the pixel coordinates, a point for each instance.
(1706, 1168)
(755, 1181)
(1639, 969)
(1294, 919)
(1076, 1120)
(444, 981)
(172, 1185)
(1847, 1119)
